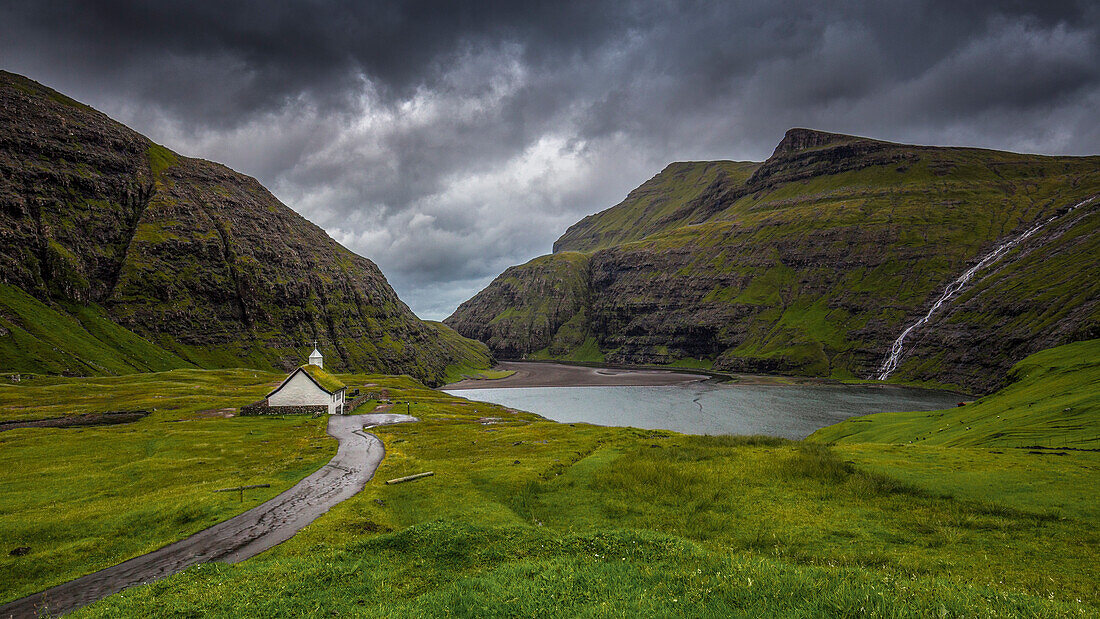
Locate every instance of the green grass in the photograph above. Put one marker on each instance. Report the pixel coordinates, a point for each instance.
(621, 521)
(176, 392)
(86, 498)
(72, 339)
(1053, 401)
(1039, 482)
(75, 339)
(445, 569)
(465, 371)
(160, 159)
(587, 352)
(327, 381)
(557, 288)
(472, 356)
(529, 517)
(694, 364)
(666, 199)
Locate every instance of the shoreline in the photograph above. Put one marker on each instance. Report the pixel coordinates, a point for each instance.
(565, 374)
(544, 374)
(551, 373)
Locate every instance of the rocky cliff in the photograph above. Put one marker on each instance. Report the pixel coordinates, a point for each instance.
(177, 255)
(813, 261)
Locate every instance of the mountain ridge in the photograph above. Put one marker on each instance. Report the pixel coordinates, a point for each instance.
(813, 261)
(198, 260)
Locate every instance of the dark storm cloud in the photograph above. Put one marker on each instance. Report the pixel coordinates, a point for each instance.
(214, 61)
(449, 140)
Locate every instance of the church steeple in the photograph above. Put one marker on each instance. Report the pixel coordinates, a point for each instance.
(315, 357)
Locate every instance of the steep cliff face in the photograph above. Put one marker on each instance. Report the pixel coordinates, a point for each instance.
(813, 261)
(196, 259)
(535, 306)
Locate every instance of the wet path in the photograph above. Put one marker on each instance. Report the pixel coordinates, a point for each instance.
(238, 538)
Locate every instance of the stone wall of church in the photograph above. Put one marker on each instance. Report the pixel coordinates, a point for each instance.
(261, 408)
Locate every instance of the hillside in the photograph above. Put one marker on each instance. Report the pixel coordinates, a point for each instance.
(1050, 402)
(118, 255)
(813, 262)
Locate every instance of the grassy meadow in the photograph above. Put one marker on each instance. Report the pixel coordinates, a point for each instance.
(1053, 402)
(84, 498)
(529, 517)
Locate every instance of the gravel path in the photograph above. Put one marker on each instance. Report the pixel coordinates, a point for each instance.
(238, 538)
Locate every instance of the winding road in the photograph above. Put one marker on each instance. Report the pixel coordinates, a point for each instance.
(240, 537)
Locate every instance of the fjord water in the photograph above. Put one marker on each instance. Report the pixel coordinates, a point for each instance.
(788, 411)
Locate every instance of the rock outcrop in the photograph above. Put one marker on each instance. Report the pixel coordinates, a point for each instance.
(813, 261)
(194, 258)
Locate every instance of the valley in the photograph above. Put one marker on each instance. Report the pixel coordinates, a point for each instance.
(841, 276)
(650, 520)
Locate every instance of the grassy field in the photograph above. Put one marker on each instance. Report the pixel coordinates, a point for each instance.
(464, 372)
(529, 517)
(85, 498)
(1053, 402)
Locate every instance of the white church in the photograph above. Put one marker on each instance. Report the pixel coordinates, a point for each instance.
(310, 385)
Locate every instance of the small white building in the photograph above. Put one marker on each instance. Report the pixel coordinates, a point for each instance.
(310, 385)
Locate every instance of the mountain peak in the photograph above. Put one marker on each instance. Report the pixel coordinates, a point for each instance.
(799, 139)
(201, 263)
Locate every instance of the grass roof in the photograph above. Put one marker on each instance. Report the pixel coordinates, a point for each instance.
(327, 381)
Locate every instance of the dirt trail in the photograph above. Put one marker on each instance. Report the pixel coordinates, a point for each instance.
(238, 538)
(77, 421)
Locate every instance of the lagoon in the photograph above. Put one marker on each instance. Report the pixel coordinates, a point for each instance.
(788, 411)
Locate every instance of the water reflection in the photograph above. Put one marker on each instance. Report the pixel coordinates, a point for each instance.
(707, 408)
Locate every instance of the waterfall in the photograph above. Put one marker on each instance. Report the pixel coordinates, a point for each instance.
(953, 289)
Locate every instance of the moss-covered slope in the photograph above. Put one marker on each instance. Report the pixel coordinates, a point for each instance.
(531, 307)
(188, 256)
(813, 261)
(1052, 401)
(72, 339)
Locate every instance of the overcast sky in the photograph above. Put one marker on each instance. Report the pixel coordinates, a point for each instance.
(449, 140)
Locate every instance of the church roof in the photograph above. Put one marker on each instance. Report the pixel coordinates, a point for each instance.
(327, 382)
(315, 353)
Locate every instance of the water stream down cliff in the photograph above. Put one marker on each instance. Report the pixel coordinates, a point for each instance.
(954, 288)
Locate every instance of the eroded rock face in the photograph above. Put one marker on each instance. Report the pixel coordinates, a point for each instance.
(815, 260)
(187, 253)
(73, 184)
(533, 306)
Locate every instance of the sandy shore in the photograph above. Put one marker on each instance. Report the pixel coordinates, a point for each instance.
(530, 374)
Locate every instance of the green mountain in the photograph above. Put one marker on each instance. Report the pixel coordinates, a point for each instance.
(813, 262)
(118, 255)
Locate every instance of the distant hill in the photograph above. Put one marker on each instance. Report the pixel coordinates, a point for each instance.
(118, 255)
(813, 262)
